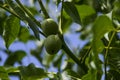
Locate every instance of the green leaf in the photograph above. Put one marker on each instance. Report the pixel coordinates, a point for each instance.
(12, 27)
(1, 29)
(98, 46)
(101, 26)
(1, 2)
(58, 61)
(24, 34)
(38, 51)
(87, 13)
(92, 75)
(47, 59)
(71, 10)
(12, 69)
(22, 15)
(69, 75)
(31, 72)
(116, 11)
(15, 57)
(33, 10)
(3, 17)
(3, 74)
(112, 74)
(113, 57)
(67, 21)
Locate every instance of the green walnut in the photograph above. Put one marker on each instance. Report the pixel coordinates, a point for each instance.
(49, 27)
(52, 44)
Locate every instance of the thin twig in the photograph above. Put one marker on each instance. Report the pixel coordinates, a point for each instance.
(28, 13)
(106, 53)
(61, 18)
(43, 9)
(82, 60)
(7, 9)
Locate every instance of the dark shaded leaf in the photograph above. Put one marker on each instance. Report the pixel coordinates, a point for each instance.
(31, 72)
(37, 52)
(113, 57)
(67, 21)
(34, 28)
(12, 27)
(78, 2)
(1, 28)
(116, 11)
(113, 75)
(1, 2)
(15, 57)
(3, 17)
(84, 52)
(101, 6)
(18, 10)
(71, 10)
(57, 2)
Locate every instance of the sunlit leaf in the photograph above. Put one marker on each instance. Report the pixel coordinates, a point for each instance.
(12, 27)
(101, 26)
(71, 10)
(31, 72)
(3, 74)
(87, 13)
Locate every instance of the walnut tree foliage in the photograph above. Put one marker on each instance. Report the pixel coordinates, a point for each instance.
(99, 24)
